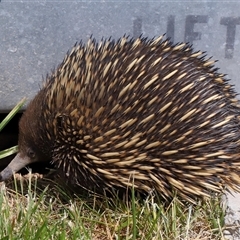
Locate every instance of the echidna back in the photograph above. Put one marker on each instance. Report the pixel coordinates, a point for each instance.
(146, 110)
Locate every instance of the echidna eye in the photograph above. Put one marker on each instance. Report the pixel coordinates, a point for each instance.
(31, 153)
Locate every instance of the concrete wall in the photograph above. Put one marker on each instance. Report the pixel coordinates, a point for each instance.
(35, 35)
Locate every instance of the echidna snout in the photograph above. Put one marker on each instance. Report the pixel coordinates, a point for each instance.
(16, 164)
(135, 112)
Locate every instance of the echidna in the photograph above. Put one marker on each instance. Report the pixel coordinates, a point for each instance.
(143, 113)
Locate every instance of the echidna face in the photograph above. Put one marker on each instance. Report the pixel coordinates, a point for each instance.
(29, 143)
(27, 154)
(21, 160)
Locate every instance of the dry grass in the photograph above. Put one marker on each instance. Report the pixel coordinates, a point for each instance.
(31, 211)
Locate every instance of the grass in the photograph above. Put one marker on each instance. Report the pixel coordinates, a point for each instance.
(30, 212)
(32, 207)
(12, 150)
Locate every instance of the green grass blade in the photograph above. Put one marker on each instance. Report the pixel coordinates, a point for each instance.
(12, 114)
(8, 152)
(134, 214)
